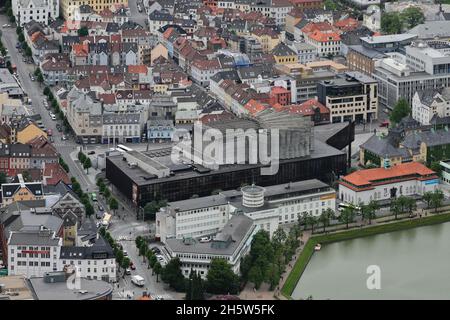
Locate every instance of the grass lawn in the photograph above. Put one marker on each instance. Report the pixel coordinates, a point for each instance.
(308, 250)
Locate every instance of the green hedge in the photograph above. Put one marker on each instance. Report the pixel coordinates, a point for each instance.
(308, 250)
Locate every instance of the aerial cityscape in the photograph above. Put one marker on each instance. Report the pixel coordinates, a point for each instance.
(252, 150)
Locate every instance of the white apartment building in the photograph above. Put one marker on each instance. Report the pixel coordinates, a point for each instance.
(426, 104)
(425, 66)
(92, 262)
(33, 253)
(232, 243)
(38, 10)
(326, 43)
(268, 207)
(408, 179)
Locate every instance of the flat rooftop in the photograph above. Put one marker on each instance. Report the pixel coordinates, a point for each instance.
(236, 228)
(15, 288)
(90, 289)
(388, 38)
(141, 177)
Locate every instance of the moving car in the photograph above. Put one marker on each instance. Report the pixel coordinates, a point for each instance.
(128, 271)
(125, 253)
(384, 124)
(138, 280)
(53, 116)
(91, 152)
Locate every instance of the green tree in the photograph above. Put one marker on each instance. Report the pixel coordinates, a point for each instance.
(100, 182)
(149, 256)
(221, 279)
(436, 167)
(40, 78)
(172, 275)
(347, 216)
(410, 204)
(412, 16)
(102, 231)
(113, 204)
(256, 276)
(325, 217)
(400, 110)
(125, 263)
(395, 207)
(26, 176)
(437, 199)
(107, 193)
(46, 91)
(152, 261)
(391, 23)
(427, 197)
(279, 236)
(311, 221)
(370, 214)
(83, 31)
(2, 178)
(21, 37)
(138, 241)
(195, 289)
(119, 258)
(157, 268)
(330, 5)
(81, 156)
(28, 52)
(87, 164)
(89, 210)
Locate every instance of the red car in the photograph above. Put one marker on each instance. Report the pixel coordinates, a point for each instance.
(132, 266)
(49, 132)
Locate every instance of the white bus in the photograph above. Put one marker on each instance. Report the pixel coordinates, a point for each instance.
(343, 205)
(121, 147)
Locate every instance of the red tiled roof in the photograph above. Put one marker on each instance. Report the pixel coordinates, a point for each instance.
(54, 173)
(253, 107)
(137, 69)
(369, 176)
(324, 36)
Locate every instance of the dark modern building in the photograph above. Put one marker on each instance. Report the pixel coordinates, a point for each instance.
(325, 162)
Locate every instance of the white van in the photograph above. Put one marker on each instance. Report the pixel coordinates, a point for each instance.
(138, 280)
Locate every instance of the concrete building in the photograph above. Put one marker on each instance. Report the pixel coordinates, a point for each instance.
(232, 243)
(35, 10)
(426, 104)
(33, 253)
(352, 96)
(68, 7)
(96, 261)
(268, 207)
(381, 184)
(424, 66)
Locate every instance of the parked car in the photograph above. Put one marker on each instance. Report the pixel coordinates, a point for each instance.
(125, 253)
(100, 208)
(156, 250)
(53, 116)
(128, 271)
(91, 152)
(132, 266)
(63, 137)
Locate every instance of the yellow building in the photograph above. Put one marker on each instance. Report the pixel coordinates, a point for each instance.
(284, 55)
(159, 51)
(31, 131)
(21, 191)
(268, 38)
(68, 6)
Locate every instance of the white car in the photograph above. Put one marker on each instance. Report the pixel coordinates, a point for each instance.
(53, 116)
(6, 25)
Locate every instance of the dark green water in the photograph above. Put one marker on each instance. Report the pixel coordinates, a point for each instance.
(414, 264)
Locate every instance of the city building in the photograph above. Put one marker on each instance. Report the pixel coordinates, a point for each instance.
(269, 207)
(426, 104)
(381, 184)
(351, 97)
(33, 252)
(21, 191)
(232, 243)
(96, 261)
(424, 66)
(68, 7)
(145, 175)
(40, 11)
(53, 286)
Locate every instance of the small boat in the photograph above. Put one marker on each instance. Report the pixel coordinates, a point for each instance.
(318, 247)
